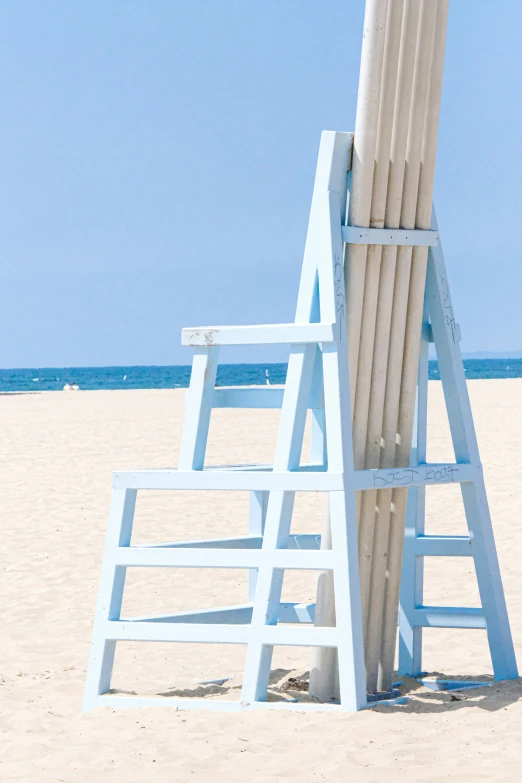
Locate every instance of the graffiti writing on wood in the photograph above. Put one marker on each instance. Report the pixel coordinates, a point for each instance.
(406, 477)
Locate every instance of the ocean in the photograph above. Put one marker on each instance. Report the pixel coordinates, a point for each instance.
(178, 377)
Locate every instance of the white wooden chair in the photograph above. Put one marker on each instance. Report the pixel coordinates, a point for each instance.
(317, 379)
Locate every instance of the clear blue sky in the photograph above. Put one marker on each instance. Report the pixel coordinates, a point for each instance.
(158, 160)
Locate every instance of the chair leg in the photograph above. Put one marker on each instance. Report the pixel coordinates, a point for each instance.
(267, 598)
(489, 580)
(110, 596)
(350, 652)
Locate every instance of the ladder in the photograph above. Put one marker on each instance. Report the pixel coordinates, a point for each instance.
(441, 328)
(317, 380)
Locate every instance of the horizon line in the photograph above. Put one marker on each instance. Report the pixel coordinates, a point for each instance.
(468, 355)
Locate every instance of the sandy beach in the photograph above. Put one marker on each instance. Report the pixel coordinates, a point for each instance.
(57, 454)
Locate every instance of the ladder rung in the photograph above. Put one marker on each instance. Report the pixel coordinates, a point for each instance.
(218, 633)
(443, 546)
(257, 397)
(448, 617)
(298, 636)
(254, 477)
(248, 396)
(260, 334)
(168, 557)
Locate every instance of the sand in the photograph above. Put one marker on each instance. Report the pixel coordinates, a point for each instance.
(57, 454)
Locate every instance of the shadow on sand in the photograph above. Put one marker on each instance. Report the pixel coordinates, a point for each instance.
(286, 684)
(493, 697)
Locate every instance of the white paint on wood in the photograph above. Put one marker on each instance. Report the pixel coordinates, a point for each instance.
(257, 335)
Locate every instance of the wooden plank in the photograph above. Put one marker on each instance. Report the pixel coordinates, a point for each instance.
(443, 546)
(173, 557)
(217, 633)
(254, 541)
(292, 636)
(198, 409)
(342, 527)
(257, 505)
(415, 476)
(211, 633)
(416, 201)
(293, 481)
(228, 615)
(412, 578)
(110, 597)
(333, 164)
(363, 167)
(264, 334)
(234, 542)
(289, 612)
(449, 617)
(318, 446)
(248, 396)
(389, 236)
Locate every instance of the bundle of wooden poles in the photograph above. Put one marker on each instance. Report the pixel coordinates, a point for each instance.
(393, 170)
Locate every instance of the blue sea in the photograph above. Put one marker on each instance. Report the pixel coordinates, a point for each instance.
(178, 377)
